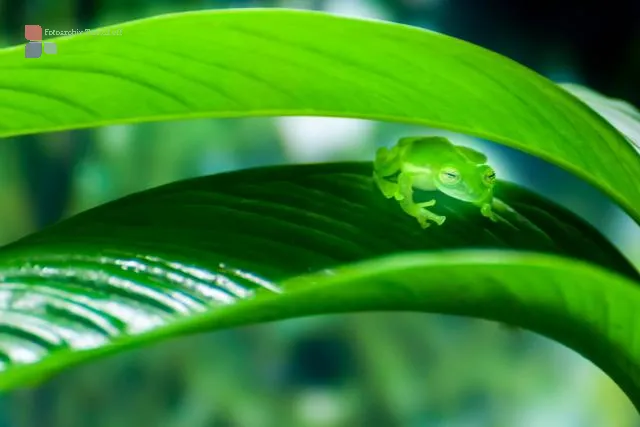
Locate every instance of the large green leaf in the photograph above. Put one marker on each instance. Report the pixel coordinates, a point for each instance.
(279, 62)
(622, 115)
(273, 243)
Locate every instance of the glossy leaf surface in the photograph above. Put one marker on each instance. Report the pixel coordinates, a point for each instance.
(280, 62)
(281, 242)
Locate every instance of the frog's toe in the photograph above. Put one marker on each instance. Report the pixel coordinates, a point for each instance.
(491, 215)
(424, 223)
(423, 219)
(427, 204)
(388, 192)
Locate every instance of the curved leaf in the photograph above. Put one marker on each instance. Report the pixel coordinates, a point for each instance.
(622, 115)
(235, 248)
(280, 62)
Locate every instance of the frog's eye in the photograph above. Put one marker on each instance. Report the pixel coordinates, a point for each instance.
(490, 177)
(449, 176)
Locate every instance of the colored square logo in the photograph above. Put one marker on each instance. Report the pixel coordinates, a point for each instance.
(33, 50)
(50, 48)
(33, 32)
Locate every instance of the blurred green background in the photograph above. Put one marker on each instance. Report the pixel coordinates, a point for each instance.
(377, 369)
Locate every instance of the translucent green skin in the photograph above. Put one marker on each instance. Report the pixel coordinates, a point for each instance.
(430, 164)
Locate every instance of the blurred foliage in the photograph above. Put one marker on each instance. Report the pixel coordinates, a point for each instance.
(358, 370)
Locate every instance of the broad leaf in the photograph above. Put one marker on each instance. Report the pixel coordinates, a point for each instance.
(279, 62)
(236, 248)
(624, 116)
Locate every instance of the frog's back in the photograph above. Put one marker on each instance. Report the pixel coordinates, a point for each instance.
(428, 150)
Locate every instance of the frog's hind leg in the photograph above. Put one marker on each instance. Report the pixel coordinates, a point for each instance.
(387, 163)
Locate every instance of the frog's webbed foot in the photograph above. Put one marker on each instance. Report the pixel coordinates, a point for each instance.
(486, 211)
(416, 210)
(402, 191)
(424, 216)
(430, 216)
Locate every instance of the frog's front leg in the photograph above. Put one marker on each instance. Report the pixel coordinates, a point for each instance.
(416, 210)
(486, 211)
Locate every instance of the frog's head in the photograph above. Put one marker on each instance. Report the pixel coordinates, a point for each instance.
(468, 182)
